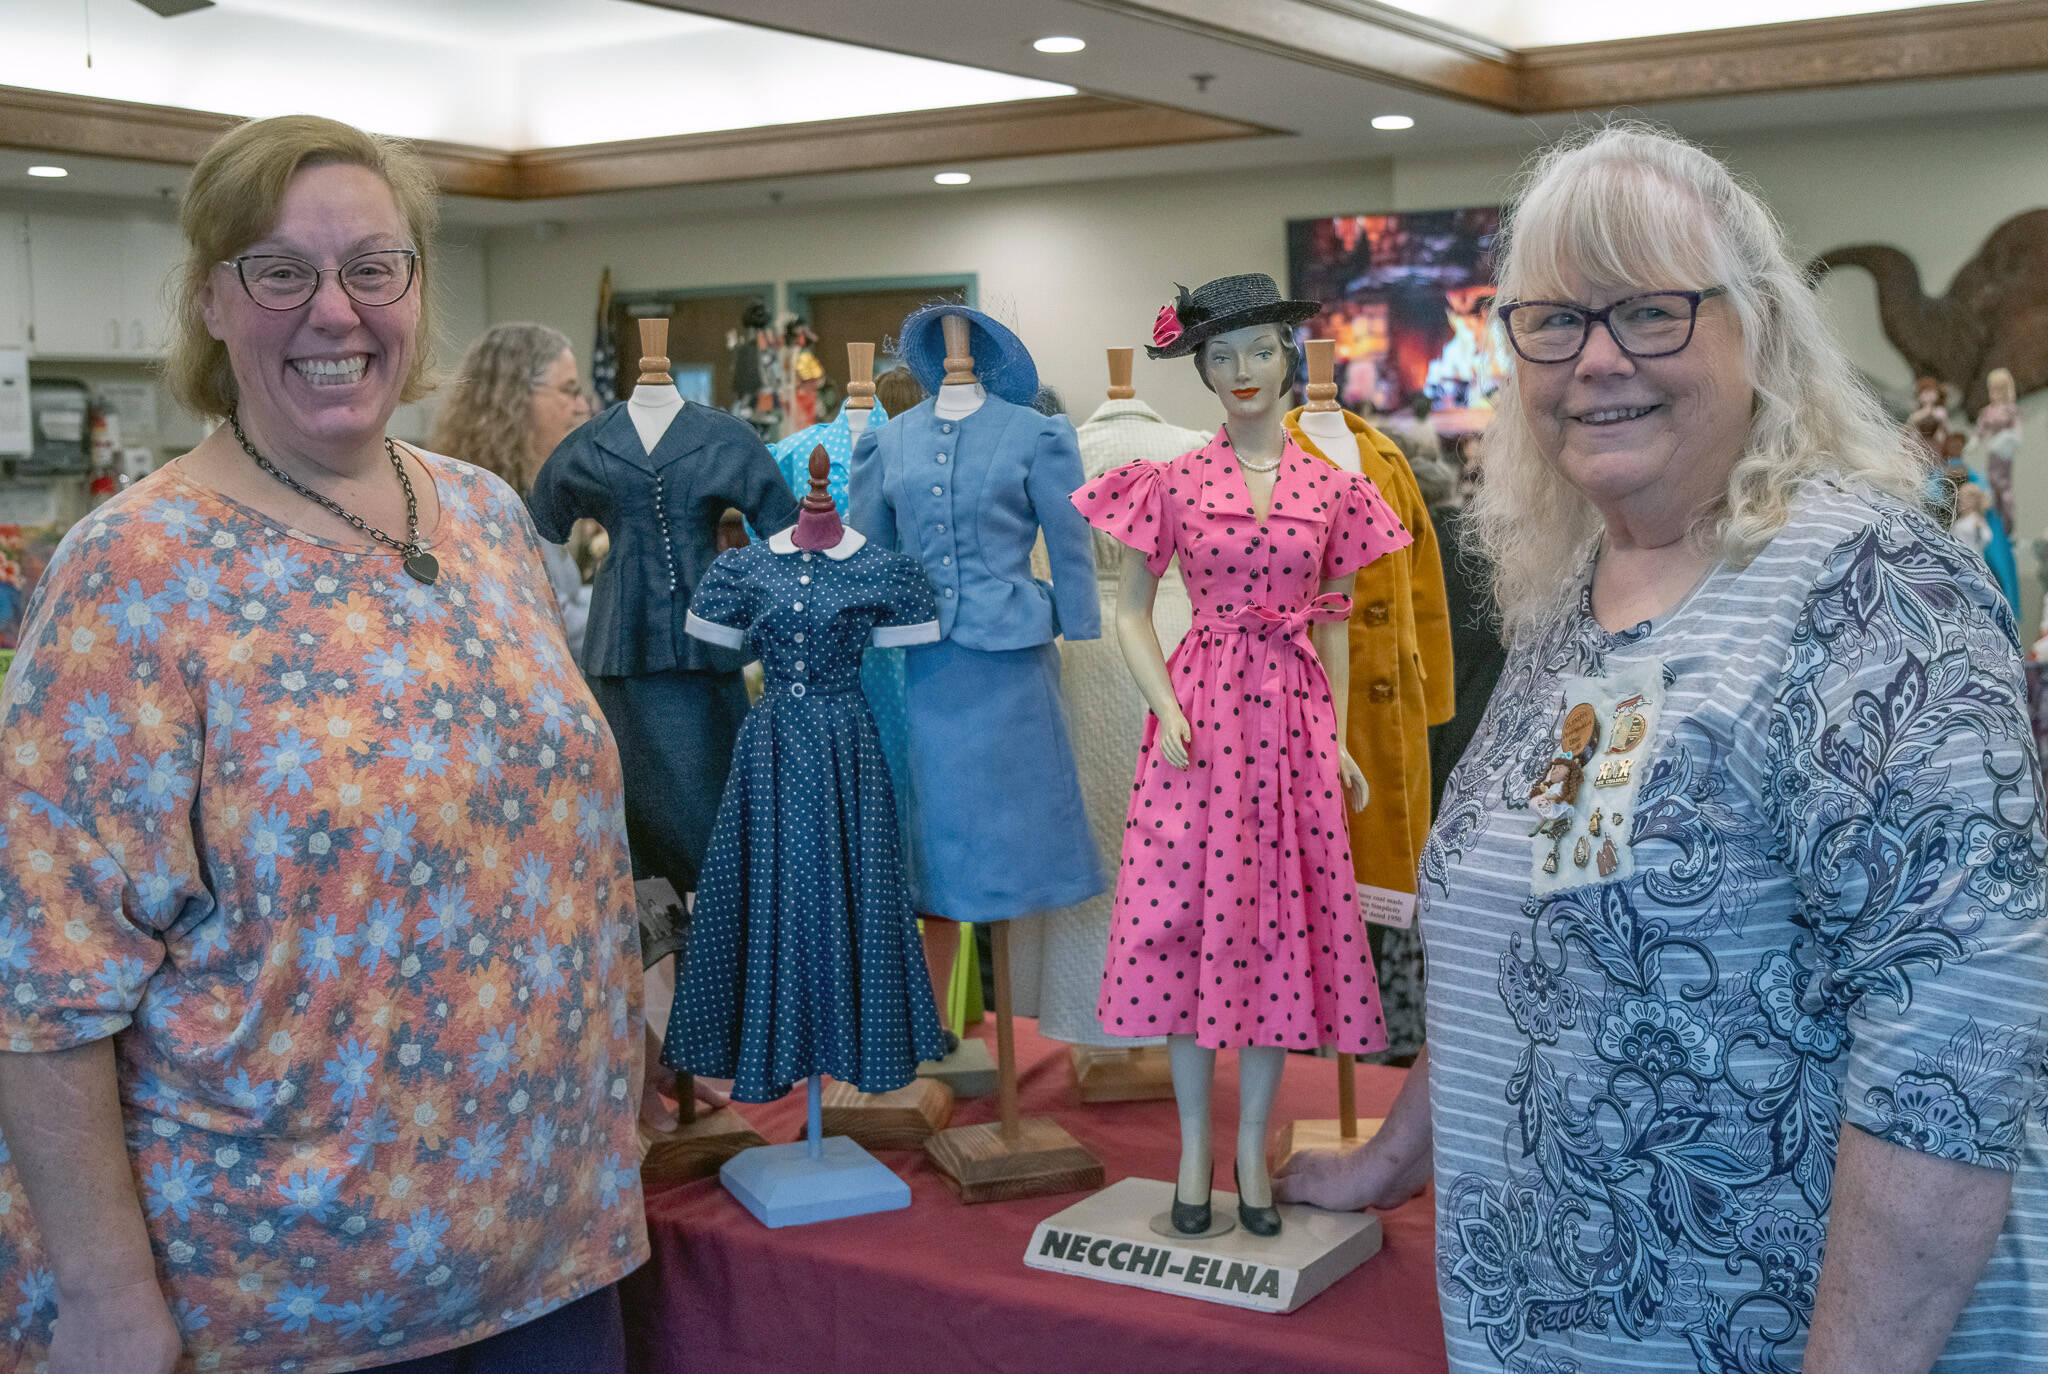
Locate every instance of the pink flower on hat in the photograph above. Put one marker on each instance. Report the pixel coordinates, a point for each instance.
(1166, 328)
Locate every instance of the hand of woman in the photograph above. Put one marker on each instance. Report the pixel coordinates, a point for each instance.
(1373, 1175)
(1174, 737)
(1356, 791)
(126, 1330)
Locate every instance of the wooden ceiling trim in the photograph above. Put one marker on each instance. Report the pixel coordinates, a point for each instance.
(975, 133)
(1354, 37)
(84, 125)
(1378, 43)
(1932, 43)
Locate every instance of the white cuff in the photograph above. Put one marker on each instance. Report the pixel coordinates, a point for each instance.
(725, 636)
(903, 636)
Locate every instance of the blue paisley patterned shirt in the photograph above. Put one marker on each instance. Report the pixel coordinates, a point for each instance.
(1822, 901)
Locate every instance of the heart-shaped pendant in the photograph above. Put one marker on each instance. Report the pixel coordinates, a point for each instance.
(422, 566)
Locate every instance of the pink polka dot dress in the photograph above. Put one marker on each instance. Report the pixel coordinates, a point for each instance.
(1237, 917)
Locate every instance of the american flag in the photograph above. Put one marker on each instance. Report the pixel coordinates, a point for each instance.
(604, 352)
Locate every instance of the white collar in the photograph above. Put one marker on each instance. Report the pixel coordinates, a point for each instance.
(850, 540)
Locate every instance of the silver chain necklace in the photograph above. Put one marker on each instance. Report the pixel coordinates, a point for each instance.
(420, 565)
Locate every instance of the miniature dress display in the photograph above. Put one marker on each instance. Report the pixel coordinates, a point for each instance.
(1056, 962)
(1001, 824)
(673, 702)
(1237, 920)
(803, 955)
(881, 671)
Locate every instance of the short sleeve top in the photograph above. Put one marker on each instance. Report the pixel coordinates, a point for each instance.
(338, 859)
(1321, 524)
(1800, 884)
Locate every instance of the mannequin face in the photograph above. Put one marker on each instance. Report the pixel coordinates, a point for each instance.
(2002, 390)
(559, 405)
(1247, 369)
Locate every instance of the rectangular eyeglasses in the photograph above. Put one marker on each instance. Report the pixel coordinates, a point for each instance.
(1655, 324)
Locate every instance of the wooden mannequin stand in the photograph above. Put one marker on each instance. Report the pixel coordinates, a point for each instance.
(1010, 1157)
(1322, 420)
(1345, 1134)
(1109, 1074)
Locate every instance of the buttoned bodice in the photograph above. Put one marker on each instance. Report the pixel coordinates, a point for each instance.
(661, 511)
(967, 498)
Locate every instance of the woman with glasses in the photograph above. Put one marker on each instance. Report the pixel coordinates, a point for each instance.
(515, 397)
(1734, 904)
(320, 1042)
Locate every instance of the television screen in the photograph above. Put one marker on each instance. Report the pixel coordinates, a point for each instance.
(1406, 298)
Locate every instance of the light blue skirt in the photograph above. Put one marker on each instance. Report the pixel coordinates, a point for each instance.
(1001, 826)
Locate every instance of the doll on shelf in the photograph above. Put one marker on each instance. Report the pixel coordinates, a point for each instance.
(1998, 440)
(1242, 780)
(1929, 421)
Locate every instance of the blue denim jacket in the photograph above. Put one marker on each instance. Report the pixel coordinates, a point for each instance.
(661, 510)
(967, 498)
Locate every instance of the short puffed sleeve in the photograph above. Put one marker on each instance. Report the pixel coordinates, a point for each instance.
(910, 608)
(722, 608)
(1363, 527)
(1131, 504)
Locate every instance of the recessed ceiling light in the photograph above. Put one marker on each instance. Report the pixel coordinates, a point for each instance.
(1392, 122)
(1060, 43)
(48, 172)
(952, 178)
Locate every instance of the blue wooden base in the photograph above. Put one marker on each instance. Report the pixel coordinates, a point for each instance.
(785, 1185)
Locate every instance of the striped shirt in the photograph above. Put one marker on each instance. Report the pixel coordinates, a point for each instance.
(1788, 872)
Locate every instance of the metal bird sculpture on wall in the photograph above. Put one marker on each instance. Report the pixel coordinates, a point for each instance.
(1994, 313)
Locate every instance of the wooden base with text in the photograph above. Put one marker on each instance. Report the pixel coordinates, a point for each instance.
(1140, 1074)
(980, 1165)
(900, 1120)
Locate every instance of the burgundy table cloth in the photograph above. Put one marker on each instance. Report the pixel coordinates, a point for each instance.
(942, 1287)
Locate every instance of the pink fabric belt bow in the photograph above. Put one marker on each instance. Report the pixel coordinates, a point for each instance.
(1267, 713)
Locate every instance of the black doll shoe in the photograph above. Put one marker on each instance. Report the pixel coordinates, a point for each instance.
(1190, 1218)
(1260, 1221)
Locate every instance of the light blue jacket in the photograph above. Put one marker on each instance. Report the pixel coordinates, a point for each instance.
(967, 498)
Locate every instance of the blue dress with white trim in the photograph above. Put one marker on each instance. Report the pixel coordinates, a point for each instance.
(803, 955)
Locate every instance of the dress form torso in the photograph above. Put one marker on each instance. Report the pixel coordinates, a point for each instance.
(653, 409)
(957, 402)
(1332, 437)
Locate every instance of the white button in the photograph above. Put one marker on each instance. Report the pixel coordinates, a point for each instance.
(798, 666)
(938, 491)
(807, 558)
(942, 529)
(798, 606)
(796, 689)
(942, 457)
(949, 591)
(798, 636)
(947, 560)
(805, 579)
(945, 429)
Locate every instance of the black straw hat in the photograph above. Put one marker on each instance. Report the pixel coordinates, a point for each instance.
(1220, 306)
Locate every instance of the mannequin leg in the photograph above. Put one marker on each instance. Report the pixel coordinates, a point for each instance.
(1193, 1070)
(1258, 1079)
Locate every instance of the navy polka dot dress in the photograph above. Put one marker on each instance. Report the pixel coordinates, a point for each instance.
(803, 954)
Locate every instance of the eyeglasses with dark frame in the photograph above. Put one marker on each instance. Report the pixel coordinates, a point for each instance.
(1654, 324)
(277, 281)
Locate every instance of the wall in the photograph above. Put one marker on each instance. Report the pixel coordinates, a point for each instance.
(1079, 267)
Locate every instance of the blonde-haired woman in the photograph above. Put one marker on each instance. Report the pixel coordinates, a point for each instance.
(316, 918)
(515, 397)
(1734, 906)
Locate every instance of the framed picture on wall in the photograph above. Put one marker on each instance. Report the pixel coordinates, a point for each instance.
(1406, 298)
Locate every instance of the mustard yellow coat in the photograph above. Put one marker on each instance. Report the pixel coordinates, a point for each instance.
(1401, 682)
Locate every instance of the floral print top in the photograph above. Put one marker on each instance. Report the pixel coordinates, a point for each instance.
(1826, 906)
(337, 859)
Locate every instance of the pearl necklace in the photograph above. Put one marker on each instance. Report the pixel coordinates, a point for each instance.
(1249, 466)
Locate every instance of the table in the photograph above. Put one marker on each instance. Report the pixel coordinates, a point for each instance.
(942, 1287)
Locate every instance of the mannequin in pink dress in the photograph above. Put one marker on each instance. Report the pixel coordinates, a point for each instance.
(1236, 923)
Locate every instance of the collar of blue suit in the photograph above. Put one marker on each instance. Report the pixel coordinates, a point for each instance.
(615, 435)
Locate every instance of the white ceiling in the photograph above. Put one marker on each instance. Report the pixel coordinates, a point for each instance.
(1323, 115)
(1544, 23)
(503, 74)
